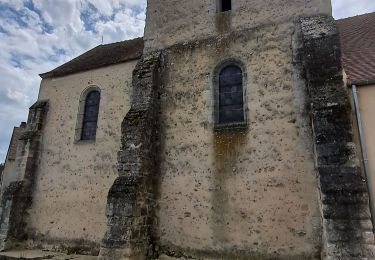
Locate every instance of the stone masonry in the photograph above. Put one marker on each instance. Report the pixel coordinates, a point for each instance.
(286, 186)
(347, 228)
(131, 198)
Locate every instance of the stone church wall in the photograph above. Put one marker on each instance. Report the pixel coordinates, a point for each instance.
(10, 173)
(10, 167)
(245, 193)
(74, 178)
(174, 21)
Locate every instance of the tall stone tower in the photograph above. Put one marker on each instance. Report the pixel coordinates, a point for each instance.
(171, 22)
(230, 127)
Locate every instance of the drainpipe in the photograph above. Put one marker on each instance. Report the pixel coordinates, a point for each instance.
(364, 154)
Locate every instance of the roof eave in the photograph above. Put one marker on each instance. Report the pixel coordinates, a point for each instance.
(362, 82)
(52, 74)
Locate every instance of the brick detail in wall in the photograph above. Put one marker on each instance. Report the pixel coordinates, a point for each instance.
(347, 226)
(17, 197)
(131, 198)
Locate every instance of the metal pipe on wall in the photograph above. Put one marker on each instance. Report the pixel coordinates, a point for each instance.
(364, 154)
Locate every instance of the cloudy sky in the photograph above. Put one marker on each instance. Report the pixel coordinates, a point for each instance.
(38, 35)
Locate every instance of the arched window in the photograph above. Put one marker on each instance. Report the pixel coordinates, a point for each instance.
(90, 115)
(231, 95)
(224, 5)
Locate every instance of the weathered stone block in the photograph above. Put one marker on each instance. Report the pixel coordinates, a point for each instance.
(345, 182)
(335, 153)
(345, 211)
(345, 197)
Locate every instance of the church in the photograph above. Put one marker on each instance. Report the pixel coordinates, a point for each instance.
(230, 130)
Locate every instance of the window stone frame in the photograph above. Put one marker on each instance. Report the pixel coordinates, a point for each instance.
(216, 93)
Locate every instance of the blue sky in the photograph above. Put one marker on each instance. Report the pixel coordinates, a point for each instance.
(39, 35)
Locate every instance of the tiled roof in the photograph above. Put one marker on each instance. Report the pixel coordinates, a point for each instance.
(357, 36)
(100, 56)
(17, 132)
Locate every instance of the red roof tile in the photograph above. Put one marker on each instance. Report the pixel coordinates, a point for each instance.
(357, 36)
(100, 56)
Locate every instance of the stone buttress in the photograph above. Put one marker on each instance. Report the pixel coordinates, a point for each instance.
(131, 198)
(347, 226)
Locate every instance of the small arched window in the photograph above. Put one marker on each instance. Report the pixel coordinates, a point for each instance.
(90, 115)
(231, 96)
(224, 5)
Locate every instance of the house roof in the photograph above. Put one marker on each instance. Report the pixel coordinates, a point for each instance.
(17, 132)
(100, 56)
(357, 35)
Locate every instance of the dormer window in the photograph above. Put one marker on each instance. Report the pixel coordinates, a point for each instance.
(224, 5)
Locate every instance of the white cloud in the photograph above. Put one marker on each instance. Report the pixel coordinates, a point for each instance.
(125, 22)
(60, 12)
(17, 4)
(347, 8)
(38, 37)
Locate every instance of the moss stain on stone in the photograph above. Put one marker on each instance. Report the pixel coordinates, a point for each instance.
(227, 147)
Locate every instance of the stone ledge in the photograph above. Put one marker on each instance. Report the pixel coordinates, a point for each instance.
(40, 254)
